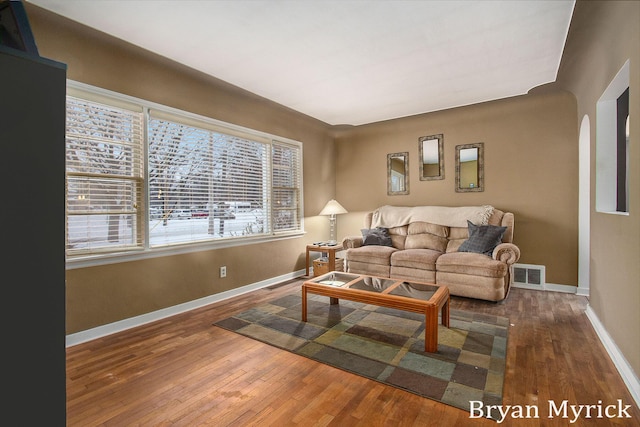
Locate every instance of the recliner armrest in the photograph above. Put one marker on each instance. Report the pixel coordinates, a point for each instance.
(352, 242)
(506, 252)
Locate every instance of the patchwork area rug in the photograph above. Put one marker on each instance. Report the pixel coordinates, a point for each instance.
(387, 345)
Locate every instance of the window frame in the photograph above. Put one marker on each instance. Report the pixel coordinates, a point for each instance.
(105, 96)
(607, 167)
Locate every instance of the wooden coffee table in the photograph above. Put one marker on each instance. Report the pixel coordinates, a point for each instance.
(417, 297)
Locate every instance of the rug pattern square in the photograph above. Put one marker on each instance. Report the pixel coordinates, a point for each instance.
(387, 345)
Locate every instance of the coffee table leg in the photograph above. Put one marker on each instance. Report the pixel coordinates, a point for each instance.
(445, 313)
(333, 300)
(431, 329)
(304, 303)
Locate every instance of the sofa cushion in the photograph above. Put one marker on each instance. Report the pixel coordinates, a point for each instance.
(457, 235)
(482, 238)
(472, 264)
(376, 236)
(424, 259)
(413, 274)
(371, 254)
(358, 267)
(424, 235)
(398, 236)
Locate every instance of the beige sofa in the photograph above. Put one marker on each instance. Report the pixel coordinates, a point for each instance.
(424, 246)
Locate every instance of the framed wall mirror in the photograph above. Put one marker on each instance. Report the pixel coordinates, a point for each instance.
(431, 149)
(397, 173)
(470, 167)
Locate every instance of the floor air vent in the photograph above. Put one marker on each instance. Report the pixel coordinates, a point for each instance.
(529, 276)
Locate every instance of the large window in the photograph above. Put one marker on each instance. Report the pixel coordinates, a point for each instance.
(143, 178)
(104, 177)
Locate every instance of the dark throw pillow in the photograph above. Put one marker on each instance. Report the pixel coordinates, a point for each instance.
(482, 238)
(378, 236)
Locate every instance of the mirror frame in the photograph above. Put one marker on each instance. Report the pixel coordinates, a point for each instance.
(480, 187)
(390, 157)
(421, 141)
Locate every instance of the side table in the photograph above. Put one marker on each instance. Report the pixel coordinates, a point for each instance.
(329, 250)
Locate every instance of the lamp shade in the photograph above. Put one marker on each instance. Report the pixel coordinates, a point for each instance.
(333, 208)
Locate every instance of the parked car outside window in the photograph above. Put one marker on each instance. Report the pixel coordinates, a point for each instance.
(181, 214)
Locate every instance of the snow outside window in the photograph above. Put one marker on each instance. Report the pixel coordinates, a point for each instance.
(142, 177)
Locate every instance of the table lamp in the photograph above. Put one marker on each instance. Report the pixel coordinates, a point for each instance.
(332, 208)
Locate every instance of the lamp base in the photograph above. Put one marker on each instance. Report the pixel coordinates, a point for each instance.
(332, 230)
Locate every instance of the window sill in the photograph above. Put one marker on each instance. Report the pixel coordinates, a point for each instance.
(614, 213)
(115, 258)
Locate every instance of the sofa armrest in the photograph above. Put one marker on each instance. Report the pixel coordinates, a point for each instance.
(506, 252)
(352, 242)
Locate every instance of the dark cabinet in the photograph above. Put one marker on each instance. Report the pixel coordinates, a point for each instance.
(32, 137)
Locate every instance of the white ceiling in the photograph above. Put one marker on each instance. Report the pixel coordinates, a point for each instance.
(351, 61)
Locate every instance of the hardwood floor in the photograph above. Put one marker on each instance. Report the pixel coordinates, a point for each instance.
(182, 371)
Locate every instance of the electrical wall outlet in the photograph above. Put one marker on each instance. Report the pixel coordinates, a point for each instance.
(223, 271)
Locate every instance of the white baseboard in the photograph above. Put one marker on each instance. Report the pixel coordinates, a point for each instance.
(111, 328)
(568, 289)
(583, 291)
(628, 375)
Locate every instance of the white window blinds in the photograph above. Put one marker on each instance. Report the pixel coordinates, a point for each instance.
(141, 176)
(211, 183)
(286, 187)
(104, 167)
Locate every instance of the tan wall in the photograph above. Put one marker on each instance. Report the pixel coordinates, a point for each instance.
(530, 164)
(100, 295)
(602, 36)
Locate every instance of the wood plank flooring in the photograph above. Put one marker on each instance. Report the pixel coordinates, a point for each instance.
(182, 371)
